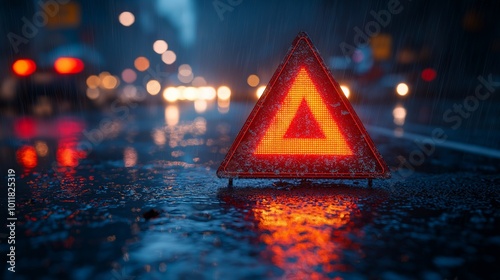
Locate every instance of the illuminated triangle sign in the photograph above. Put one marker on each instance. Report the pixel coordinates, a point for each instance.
(303, 127)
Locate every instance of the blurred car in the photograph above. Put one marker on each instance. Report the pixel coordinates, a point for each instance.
(49, 75)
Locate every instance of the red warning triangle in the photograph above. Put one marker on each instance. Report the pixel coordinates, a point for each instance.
(303, 127)
(304, 124)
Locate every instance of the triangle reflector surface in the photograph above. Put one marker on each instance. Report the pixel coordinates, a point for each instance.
(303, 127)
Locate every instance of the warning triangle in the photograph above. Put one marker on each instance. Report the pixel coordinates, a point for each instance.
(303, 126)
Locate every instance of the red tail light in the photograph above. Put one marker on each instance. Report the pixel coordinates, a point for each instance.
(68, 65)
(24, 67)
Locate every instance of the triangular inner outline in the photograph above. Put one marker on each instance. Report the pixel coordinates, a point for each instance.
(304, 124)
(274, 143)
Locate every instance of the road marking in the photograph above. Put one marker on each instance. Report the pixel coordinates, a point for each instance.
(474, 149)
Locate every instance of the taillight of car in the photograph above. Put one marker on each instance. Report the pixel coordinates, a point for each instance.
(24, 67)
(68, 65)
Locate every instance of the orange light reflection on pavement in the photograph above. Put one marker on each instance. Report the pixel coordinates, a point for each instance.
(306, 231)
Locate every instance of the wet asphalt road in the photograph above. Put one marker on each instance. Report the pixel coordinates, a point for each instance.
(132, 194)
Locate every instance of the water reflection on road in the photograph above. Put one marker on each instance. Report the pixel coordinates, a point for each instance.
(307, 231)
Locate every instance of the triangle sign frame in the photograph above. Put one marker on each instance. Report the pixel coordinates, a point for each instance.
(339, 146)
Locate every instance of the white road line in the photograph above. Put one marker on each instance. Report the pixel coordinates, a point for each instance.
(474, 149)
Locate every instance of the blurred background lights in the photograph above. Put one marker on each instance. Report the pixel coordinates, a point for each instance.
(345, 90)
(168, 57)
(200, 106)
(260, 91)
(224, 93)
(190, 93)
(399, 114)
(428, 74)
(160, 46)
(153, 87)
(199, 81)
(41, 148)
(129, 76)
(185, 70)
(207, 93)
(172, 115)
(126, 18)
(141, 63)
(93, 81)
(402, 89)
(109, 82)
(253, 80)
(93, 93)
(171, 94)
(185, 79)
(24, 67)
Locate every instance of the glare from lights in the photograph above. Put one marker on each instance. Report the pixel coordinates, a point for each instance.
(141, 63)
(207, 93)
(190, 93)
(68, 65)
(200, 106)
(181, 90)
(160, 46)
(129, 76)
(153, 87)
(199, 81)
(345, 90)
(399, 114)
(253, 80)
(402, 89)
(260, 91)
(24, 67)
(93, 81)
(172, 115)
(109, 82)
(168, 57)
(185, 79)
(224, 93)
(126, 18)
(171, 94)
(93, 93)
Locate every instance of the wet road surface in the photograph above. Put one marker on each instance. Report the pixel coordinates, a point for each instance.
(132, 194)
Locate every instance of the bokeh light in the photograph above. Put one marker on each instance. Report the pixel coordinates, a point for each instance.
(168, 57)
(126, 18)
(141, 63)
(171, 94)
(224, 93)
(129, 76)
(429, 74)
(153, 87)
(93, 81)
(109, 82)
(24, 67)
(402, 89)
(260, 90)
(253, 80)
(399, 114)
(160, 46)
(345, 90)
